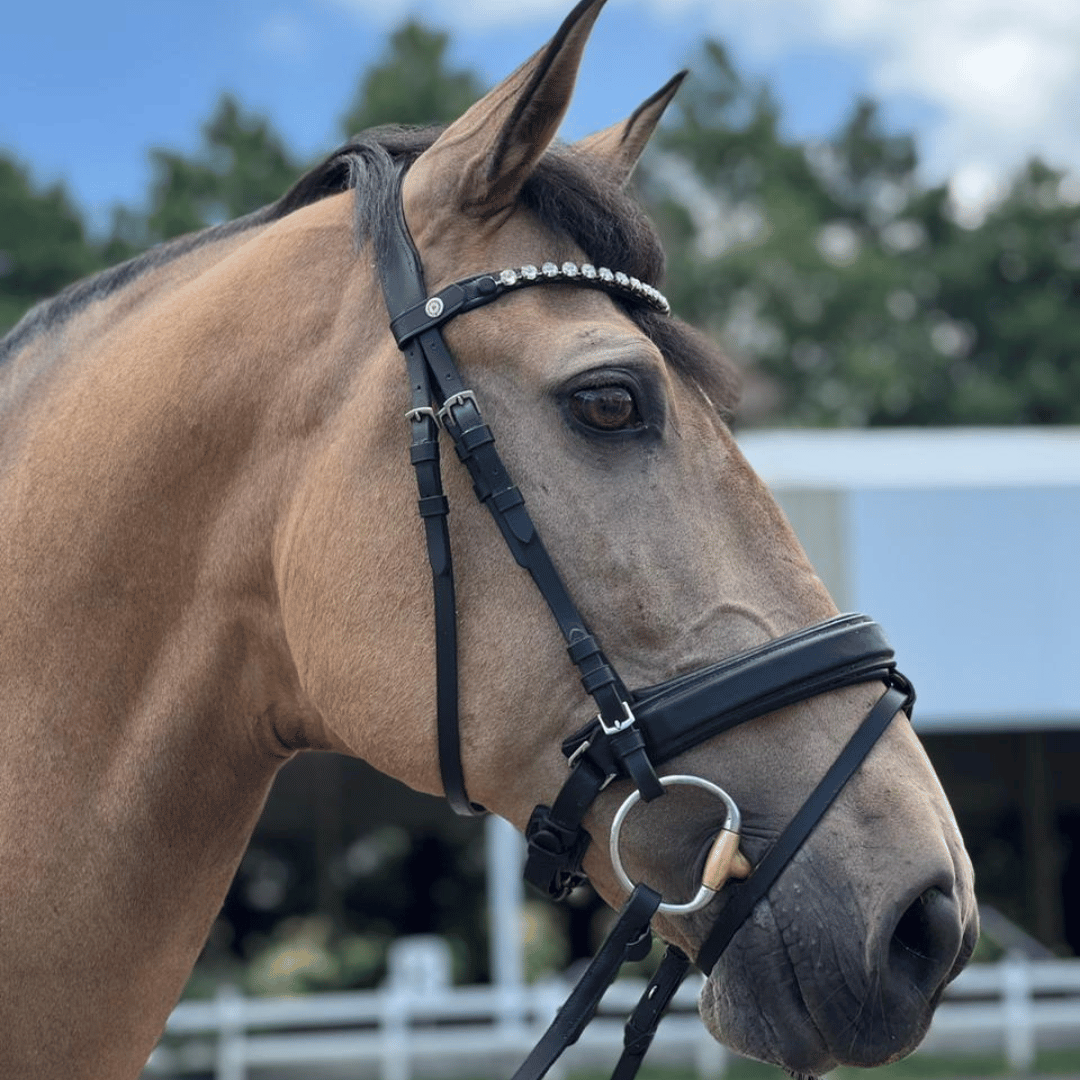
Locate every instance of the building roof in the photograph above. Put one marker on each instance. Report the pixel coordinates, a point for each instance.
(915, 457)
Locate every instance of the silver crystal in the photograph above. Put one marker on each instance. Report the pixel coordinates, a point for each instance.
(570, 269)
(508, 277)
(622, 279)
(605, 274)
(529, 272)
(588, 270)
(549, 269)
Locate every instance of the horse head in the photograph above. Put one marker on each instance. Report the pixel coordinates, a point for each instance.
(612, 419)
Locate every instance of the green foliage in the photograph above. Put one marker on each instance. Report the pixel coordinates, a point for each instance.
(242, 165)
(1011, 286)
(412, 84)
(851, 295)
(305, 955)
(43, 243)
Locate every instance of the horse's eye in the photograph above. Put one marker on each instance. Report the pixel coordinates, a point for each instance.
(606, 408)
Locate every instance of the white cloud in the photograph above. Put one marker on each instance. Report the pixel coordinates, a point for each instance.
(472, 14)
(284, 35)
(1002, 76)
(1003, 72)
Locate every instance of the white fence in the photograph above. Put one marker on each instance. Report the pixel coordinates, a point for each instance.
(418, 1024)
(1016, 1006)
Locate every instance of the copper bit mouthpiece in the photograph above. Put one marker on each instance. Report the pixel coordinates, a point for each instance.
(725, 861)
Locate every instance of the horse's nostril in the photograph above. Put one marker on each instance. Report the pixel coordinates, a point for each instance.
(926, 939)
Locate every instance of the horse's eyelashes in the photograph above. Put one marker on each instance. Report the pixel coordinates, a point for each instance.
(606, 408)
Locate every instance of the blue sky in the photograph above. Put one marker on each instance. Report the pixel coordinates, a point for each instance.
(88, 89)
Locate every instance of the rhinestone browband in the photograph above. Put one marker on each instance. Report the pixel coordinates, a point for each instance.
(585, 274)
(474, 292)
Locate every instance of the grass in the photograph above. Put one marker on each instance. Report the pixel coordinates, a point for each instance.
(1050, 1063)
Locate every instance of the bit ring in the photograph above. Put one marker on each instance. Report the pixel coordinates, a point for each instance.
(718, 864)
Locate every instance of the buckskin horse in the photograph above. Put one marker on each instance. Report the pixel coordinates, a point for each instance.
(211, 561)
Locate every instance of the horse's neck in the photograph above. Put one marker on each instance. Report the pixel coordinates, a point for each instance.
(144, 668)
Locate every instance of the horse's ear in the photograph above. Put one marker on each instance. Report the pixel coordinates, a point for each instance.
(479, 163)
(617, 148)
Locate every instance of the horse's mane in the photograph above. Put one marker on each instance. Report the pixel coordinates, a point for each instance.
(567, 194)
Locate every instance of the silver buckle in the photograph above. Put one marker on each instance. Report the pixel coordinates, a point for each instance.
(457, 399)
(628, 719)
(575, 757)
(417, 414)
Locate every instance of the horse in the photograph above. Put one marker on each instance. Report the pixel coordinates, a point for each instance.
(210, 562)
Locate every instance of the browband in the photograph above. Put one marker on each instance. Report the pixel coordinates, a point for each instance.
(480, 289)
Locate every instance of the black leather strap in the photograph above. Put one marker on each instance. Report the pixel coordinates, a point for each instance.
(555, 840)
(404, 275)
(434, 508)
(645, 1019)
(684, 712)
(681, 713)
(630, 939)
(746, 895)
(437, 390)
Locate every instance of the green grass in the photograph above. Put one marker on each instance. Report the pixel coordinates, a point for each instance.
(1051, 1063)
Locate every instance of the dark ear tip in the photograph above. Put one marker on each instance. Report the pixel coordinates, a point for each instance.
(661, 98)
(669, 89)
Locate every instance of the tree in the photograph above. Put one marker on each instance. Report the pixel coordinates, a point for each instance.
(243, 164)
(851, 294)
(43, 243)
(1004, 315)
(412, 84)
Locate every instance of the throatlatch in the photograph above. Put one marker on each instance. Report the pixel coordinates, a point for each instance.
(634, 731)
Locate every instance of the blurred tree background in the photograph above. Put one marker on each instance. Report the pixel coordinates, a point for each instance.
(853, 295)
(849, 292)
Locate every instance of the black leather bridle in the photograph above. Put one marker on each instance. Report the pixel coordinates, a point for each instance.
(634, 730)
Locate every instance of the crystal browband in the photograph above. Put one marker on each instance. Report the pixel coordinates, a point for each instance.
(586, 274)
(474, 292)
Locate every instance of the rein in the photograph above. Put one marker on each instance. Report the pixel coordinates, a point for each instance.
(634, 730)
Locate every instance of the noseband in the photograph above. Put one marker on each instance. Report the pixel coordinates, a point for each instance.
(634, 730)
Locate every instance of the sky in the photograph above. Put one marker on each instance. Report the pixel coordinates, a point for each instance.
(86, 90)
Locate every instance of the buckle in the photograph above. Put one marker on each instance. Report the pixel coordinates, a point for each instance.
(577, 755)
(613, 729)
(457, 399)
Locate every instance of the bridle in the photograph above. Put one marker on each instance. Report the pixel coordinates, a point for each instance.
(634, 730)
